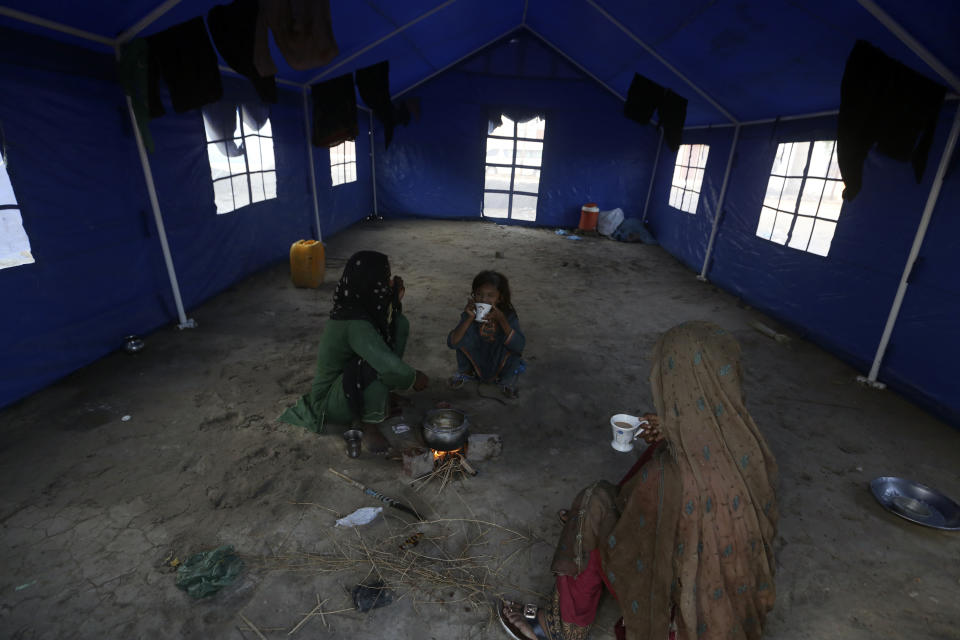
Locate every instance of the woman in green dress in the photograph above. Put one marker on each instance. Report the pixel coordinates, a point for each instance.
(360, 359)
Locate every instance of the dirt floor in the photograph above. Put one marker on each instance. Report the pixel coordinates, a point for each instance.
(120, 469)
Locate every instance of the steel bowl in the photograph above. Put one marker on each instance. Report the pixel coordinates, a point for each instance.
(916, 502)
(445, 429)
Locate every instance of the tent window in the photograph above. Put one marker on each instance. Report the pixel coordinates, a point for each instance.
(343, 163)
(512, 179)
(14, 243)
(242, 167)
(688, 177)
(804, 197)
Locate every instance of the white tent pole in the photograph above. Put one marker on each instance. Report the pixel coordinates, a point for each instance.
(313, 173)
(576, 64)
(185, 323)
(362, 51)
(452, 64)
(147, 20)
(373, 167)
(703, 94)
(22, 16)
(653, 176)
(941, 69)
(948, 149)
(716, 218)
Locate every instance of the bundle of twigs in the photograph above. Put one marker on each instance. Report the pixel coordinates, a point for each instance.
(453, 466)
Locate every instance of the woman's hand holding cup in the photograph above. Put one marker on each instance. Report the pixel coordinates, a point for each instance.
(651, 434)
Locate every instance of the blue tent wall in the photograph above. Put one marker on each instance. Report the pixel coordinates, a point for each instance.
(840, 301)
(591, 153)
(99, 273)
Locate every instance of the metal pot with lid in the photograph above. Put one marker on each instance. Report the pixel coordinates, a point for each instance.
(445, 429)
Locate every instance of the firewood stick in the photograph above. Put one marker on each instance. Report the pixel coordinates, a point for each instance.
(466, 465)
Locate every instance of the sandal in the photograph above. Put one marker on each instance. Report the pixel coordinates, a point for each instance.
(530, 612)
(458, 380)
(511, 392)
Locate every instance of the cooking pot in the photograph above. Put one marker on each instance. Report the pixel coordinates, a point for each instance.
(445, 429)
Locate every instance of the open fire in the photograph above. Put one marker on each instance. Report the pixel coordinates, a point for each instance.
(439, 457)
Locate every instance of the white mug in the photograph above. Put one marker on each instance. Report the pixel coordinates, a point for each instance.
(482, 309)
(626, 429)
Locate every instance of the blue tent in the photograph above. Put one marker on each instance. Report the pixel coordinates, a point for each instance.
(123, 241)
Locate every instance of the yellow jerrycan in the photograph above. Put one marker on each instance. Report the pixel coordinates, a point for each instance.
(307, 263)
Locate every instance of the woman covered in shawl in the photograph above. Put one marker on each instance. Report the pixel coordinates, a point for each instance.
(360, 360)
(684, 542)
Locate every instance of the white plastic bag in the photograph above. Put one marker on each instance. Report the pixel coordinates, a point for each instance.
(608, 221)
(359, 517)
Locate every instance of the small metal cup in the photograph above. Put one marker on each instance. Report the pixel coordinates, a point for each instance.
(352, 438)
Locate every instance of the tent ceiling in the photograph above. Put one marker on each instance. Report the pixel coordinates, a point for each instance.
(752, 58)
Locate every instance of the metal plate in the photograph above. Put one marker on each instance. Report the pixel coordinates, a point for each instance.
(916, 502)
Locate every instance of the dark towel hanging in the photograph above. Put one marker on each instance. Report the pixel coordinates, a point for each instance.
(883, 102)
(673, 114)
(645, 96)
(334, 111)
(133, 68)
(233, 28)
(302, 30)
(186, 60)
(373, 83)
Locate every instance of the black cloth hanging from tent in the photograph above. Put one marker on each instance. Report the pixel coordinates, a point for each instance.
(302, 30)
(643, 98)
(133, 69)
(373, 83)
(646, 96)
(883, 102)
(233, 28)
(185, 58)
(673, 114)
(334, 111)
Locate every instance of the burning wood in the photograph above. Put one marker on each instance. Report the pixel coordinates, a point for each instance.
(448, 465)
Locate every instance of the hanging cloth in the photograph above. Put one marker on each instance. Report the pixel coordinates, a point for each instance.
(334, 112)
(883, 102)
(233, 28)
(133, 68)
(186, 60)
(646, 96)
(373, 83)
(302, 30)
(673, 114)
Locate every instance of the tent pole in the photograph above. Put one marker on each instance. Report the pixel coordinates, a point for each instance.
(896, 29)
(653, 176)
(147, 20)
(948, 149)
(723, 194)
(185, 323)
(452, 64)
(630, 34)
(29, 18)
(373, 167)
(313, 173)
(579, 66)
(401, 29)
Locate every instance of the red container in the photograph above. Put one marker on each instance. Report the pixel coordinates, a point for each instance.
(588, 216)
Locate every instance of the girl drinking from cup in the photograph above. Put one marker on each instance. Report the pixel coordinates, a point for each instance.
(488, 340)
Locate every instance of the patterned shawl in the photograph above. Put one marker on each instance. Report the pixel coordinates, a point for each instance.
(697, 523)
(364, 293)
